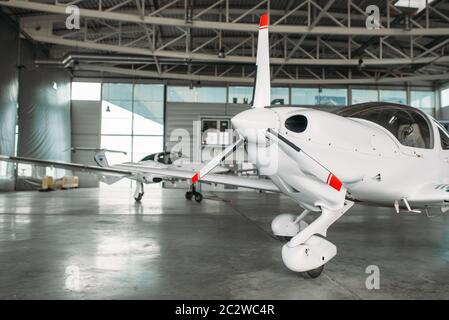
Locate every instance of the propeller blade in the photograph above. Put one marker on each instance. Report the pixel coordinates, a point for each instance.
(308, 163)
(216, 160)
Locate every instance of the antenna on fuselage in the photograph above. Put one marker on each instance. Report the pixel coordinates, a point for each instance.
(262, 87)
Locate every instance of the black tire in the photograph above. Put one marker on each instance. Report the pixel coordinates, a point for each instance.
(189, 195)
(198, 197)
(314, 273)
(284, 239)
(139, 197)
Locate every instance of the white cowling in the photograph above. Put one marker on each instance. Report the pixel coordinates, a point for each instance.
(315, 252)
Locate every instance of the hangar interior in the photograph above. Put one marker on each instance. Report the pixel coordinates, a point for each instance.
(146, 76)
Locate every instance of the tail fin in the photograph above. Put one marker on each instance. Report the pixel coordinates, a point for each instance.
(262, 88)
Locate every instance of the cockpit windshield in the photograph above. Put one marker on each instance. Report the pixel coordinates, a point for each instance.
(163, 157)
(409, 125)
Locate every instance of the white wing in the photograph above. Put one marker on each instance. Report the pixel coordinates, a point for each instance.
(129, 170)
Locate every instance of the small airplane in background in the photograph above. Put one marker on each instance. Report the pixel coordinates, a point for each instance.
(376, 153)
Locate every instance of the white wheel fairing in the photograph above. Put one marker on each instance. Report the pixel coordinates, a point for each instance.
(284, 225)
(314, 253)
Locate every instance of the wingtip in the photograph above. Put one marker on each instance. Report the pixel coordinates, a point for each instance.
(263, 21)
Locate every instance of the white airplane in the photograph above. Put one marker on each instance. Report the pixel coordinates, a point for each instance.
(379, 153)
(110, 174)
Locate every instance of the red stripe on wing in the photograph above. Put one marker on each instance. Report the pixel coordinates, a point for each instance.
(196, 177)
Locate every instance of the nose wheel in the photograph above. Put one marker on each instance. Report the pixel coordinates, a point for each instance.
(314, 273)
(192, 193)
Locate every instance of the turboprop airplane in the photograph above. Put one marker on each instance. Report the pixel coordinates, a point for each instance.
(380, 154)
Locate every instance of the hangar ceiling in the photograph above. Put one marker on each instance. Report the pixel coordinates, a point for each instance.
(312, 41)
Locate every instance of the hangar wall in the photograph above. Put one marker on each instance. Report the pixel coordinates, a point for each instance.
(181, 115)
(9, 88)
(43, 114)
(86, 132)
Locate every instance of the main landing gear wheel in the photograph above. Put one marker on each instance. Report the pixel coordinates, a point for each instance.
(198, 197)
(138, 195)
(194, 194)
(284, 239)
(314, 273)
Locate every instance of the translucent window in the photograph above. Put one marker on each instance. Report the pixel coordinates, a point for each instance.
(148, 110)
(305, 96)
(119, 143)
(88, 91)
(145, 145)
(316, 96)
(202, 94)
(333, 97)
(132, 120)
(242, 95)
(394, 96)
(445, 97)
(364, 95)
(116, 117)
(279, 96)
(423, 100)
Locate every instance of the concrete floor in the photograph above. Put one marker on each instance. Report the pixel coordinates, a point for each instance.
(99, 244)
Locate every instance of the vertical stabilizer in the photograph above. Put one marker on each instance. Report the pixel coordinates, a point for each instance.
(262, 89)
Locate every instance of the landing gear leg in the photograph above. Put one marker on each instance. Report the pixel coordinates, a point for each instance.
(138, 194)
(193, 193)
(308, 251)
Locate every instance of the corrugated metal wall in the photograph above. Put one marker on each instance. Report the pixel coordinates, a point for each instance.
(180, 116)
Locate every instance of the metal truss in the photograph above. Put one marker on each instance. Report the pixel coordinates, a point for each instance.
(312, 41)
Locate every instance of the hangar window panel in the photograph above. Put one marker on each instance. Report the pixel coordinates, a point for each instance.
(241, 95)
(424, 100)
(149, 92)
(119, 143)
(305, 96)
(333, 97)
(116, 117)
(117, 91)
(445, 97)
(364, 95)
(148, 110)
(203, 94)
(394, 96)
(86, 91)
(145, 145)
(280, 96)
(148, 118)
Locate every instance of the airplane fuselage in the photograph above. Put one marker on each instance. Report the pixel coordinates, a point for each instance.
(368, 159)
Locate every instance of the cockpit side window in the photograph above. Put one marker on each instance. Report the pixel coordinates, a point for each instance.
(444, 139)
(444, 136)
(407, 125)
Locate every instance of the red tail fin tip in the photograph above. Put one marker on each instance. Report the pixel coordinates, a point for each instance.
(263, 21)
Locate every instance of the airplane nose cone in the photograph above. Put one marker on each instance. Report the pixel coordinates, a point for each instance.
(254, 122)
